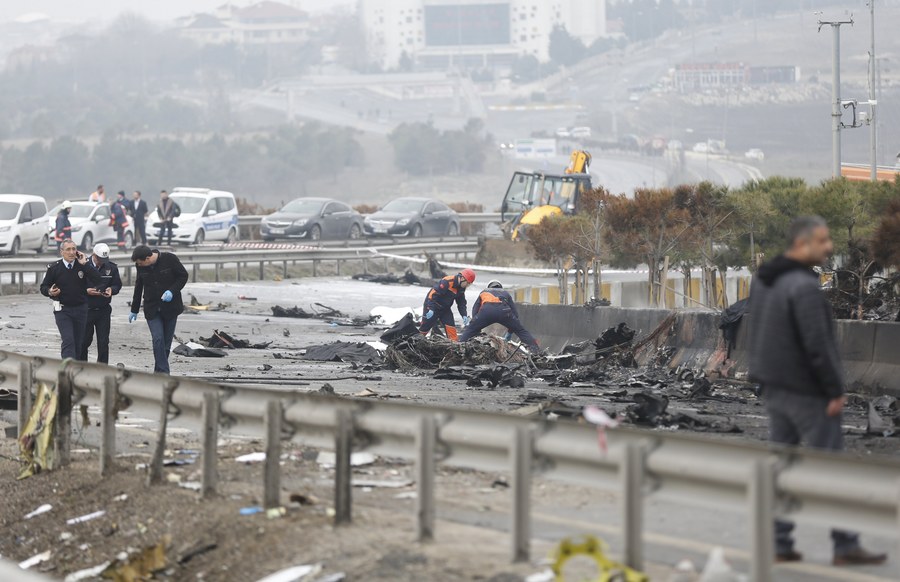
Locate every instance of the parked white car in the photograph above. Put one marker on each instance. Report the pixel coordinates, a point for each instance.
(90, 225)
(22, 223)
(755, 154)
(581, 132)
(205, 215)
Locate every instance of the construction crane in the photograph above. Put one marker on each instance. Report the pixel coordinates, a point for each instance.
(533, 196)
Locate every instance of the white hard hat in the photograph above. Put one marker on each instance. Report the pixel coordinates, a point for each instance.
(101, 250)
(66, 204)
(495, 284)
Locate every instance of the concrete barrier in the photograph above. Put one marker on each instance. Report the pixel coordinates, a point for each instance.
(870, 349)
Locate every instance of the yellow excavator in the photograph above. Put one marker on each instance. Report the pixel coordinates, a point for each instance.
(532, 197)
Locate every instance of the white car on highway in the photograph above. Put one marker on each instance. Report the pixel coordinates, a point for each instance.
(205, 215)
(90, 225)
(755, 154)
(22, 223)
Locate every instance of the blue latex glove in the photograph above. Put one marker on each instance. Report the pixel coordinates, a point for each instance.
(508, 336)
(466, 320)
(430, 314)
(132, 317)
(167, 297)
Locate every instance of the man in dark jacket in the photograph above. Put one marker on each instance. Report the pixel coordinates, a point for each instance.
(119, 219)
(794, 357)
(167, 211)
(441, 298)
(63, 225)
(100, 303)
(139, 213)
(160, 279)
(66, 283)
(495, 305)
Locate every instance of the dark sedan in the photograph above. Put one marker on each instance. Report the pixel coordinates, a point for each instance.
(312, 219)
(413, 217)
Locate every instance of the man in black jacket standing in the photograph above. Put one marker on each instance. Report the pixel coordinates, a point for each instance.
(139, 213)
(66, 283)
(160, 279)
(100, 303)
(794, 357)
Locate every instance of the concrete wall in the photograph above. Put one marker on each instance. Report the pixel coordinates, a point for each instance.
(870, 349)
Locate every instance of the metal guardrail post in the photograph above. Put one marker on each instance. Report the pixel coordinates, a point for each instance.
(21, 283)
(631, 481)
(337, 267)
(63, 417)
(315, 268)
(239, 271)
(520, 456)
(109, 393)
(343, 472)
(218, 271)
(210, 437)
(426, 438)
(284, 269)
(128, 275)
(761, 505)
(156, 464)
(262, 271)
(272, 470)
(24, 398)
(194, 268)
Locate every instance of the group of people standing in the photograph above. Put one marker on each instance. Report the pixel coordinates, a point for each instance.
(82, 289)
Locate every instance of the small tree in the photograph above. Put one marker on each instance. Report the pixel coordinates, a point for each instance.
(553, 241)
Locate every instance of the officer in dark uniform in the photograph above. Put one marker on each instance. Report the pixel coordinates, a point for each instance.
(160, 279)
(99, 303)
(494, 305)
(66, 282)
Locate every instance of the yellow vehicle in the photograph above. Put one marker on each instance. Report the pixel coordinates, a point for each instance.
(533, 196)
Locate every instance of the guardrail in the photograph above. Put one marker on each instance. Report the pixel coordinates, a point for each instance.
(464, 218)
(197, 258)
(762, 481)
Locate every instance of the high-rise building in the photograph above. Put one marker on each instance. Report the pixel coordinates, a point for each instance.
(439, 34)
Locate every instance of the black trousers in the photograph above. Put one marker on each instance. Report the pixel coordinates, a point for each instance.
(71, 322)
(166, 226)
(140, 231)
(97, 318)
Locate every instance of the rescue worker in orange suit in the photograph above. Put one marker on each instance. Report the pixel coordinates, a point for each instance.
(440, 299)
(495, 305)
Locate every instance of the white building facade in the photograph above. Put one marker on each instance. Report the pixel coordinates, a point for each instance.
(441, 34)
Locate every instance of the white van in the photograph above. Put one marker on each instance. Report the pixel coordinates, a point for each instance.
(22, 223)
(205, 215)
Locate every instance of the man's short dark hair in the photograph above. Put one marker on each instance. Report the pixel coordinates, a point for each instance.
(803, 226)
(138, 192)
(163, 192)
(140, 253)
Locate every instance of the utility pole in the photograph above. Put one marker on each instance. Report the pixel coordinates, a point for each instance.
(873, 122)
(835, 92)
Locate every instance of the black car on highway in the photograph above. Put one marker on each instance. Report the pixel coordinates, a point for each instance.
(312, 219)
(414, 217)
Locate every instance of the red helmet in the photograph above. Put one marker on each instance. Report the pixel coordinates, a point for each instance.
(468, 275)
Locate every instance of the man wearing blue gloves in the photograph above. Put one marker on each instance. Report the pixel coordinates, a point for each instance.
(440, 299)
(496, 305)
(160, 279)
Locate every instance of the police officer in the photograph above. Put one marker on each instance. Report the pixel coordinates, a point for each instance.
(63, 226)
(66, 282)
(440, 299)
(160, 279)
(494, 305)
(99, 303)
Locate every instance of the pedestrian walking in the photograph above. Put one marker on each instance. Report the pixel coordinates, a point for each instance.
(98, 195)
(139, 212)
(168, 211)
(99, 303)
(794, 357)
(66, 282)
(440, 299)
(496, 305)
(160, 279)
(63, 229)
(118, 219)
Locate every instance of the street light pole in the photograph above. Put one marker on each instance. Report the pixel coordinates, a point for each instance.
(873, 122)
(835, 93)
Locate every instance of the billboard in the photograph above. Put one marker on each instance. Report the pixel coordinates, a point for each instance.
(467, 24)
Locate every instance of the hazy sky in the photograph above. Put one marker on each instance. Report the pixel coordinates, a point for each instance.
(105, 10)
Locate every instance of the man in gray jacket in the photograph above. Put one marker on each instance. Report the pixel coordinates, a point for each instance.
(794, 357)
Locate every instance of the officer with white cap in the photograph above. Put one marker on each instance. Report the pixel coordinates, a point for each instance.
(99, 303)
(63, 229)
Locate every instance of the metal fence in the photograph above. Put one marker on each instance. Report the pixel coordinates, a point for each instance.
(250, 260)
(464, 218)
(760, 481)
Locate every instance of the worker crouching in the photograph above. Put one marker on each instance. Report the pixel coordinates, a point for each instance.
(495, 305)
(440, 299)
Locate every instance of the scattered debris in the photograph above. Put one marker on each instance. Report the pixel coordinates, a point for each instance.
(294, 574)
(251, 510)
(36, 440)
(251, 458)
(195, 350)
(245, 298)
(220, 339)
(359, 352)
(195, 305)
(717, 568)
(327, 389)
(356, 459)
(87, 517)
(264, 367)
(42, 509)
(191, 552)
(35, 560)
(300, 313)
(382, 484)
(140, 565)
(87, 573)
(366, 393)
(404, 327)
(302, 499)
(407, 278)
(276, 512)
